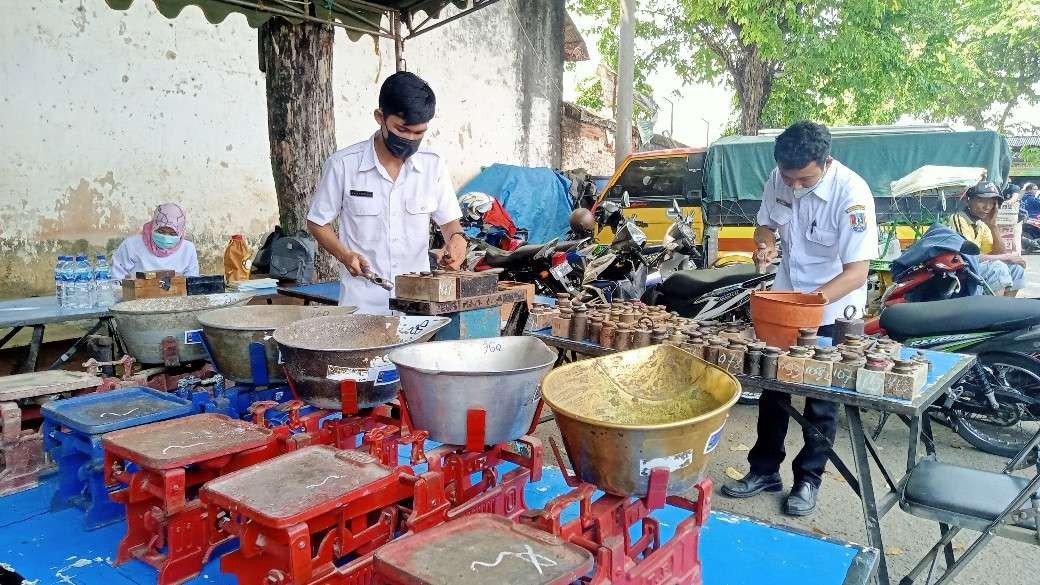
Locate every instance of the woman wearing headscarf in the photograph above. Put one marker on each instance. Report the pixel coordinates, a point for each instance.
(159, 246)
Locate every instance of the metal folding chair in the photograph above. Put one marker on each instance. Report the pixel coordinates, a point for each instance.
(958, 498)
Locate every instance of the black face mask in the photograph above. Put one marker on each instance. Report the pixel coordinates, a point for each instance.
(399, 147)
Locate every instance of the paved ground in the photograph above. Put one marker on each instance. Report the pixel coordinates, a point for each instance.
(839, 515)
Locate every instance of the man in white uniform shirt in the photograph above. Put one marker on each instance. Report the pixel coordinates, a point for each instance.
(824, 214)
(384, 191)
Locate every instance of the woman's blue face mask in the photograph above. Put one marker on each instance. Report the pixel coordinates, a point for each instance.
(164, 241)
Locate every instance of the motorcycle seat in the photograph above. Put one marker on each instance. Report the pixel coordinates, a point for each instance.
(961, 315)
(690, 284)
(497, 258)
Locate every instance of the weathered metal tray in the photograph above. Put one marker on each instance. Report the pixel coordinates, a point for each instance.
(442, 380)
(624, 414)
(103, 412)
(183, 441)
(144, 323)
(299, 484)
(230, 331)
(481, 549)
(323, 351)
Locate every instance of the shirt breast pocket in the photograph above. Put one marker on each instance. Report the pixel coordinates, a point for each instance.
(820, 242)
(417, 217)
(363, 217)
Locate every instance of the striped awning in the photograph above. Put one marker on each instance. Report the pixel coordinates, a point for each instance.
(359, 18)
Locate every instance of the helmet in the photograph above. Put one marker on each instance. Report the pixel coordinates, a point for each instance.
(582, 220)
(475, 205)
(984, 189)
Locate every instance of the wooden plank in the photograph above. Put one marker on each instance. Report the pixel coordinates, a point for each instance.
(44, 383)
(433, 308)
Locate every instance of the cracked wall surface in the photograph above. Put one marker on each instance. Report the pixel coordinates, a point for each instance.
(105, 114)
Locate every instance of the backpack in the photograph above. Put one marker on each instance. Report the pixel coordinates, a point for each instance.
(262, 260)
(292, 257)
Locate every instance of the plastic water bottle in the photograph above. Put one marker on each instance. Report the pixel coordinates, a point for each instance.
(103, 292)
(83, 283)
(61, 281)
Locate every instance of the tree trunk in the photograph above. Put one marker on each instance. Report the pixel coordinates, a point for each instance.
(752, 92)
(301, 124)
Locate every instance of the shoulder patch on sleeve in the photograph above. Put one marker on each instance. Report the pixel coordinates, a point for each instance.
(858, 220)
(856, 208)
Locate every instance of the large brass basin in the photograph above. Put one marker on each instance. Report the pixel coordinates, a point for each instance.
(624, 414)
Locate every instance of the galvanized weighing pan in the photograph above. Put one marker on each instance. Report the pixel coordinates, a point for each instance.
(144, 323)
(440, 381)
(322, 351)
(230, 330)
(624, 414)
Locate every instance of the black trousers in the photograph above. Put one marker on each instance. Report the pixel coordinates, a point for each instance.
(769, 452)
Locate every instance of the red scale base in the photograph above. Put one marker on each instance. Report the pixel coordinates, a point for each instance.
(168, 527)
(603, 529)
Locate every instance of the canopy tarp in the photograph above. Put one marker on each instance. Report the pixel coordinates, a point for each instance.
(536, 198)
(736, 167)
(358, 18)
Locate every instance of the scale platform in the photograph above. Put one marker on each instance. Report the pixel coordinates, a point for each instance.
(183, 441)
(317, 477)
(96, 414)
(480, 549)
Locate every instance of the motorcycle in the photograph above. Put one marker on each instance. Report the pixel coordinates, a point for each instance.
(996, 406)
(533, 263)
(679, 245)
(932, 305)
(1031, 235)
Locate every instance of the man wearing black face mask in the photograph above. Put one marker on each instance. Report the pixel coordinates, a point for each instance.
(385, 191)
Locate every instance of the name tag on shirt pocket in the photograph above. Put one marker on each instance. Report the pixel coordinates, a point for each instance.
(357, 193)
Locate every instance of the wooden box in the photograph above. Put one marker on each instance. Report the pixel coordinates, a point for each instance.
(149, 285)
(475, 284)
(428, 287)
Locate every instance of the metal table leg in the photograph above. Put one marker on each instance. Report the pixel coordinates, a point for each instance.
(10, 334)
(843, 469)
(866, 487)
(29, 365)
(75, 346)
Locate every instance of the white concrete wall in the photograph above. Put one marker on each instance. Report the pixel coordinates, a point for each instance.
(105, 114)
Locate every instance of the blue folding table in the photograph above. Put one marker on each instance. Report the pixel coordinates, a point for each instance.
(52, 547)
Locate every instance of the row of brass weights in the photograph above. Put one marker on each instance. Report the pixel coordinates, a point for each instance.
(858, 363)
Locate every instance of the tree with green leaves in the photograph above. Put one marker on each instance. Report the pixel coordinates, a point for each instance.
(992, 65)
(835, 61)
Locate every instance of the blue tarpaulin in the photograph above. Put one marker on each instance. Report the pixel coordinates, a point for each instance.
(536, 198)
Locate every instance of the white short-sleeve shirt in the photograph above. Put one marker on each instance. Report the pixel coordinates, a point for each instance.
(134, 256)
(832, 225)
(386, 221)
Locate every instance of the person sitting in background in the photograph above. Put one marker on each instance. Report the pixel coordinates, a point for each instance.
(159, 246)
(1002, 270)
(1031, 199)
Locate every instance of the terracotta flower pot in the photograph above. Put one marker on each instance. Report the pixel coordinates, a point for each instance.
(778, 316)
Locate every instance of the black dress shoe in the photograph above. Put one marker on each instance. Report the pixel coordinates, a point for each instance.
(802, 500)
(752, 485)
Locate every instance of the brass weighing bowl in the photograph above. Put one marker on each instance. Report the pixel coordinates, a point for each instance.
(624, 414)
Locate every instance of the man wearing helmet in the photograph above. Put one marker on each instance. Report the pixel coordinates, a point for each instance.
(1003, 270)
